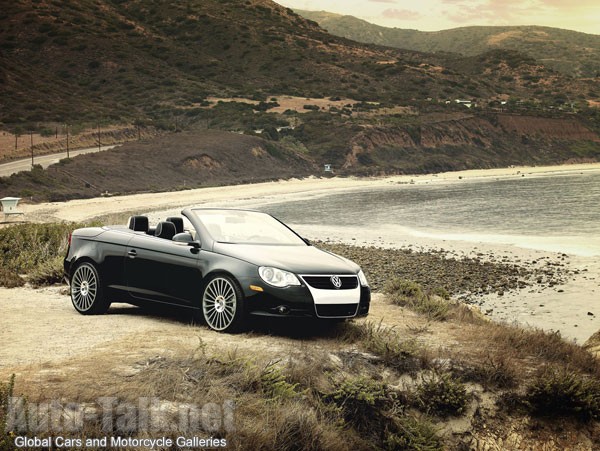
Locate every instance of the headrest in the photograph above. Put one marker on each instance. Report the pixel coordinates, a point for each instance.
(138, 223)
(178, 223)
(165, 230)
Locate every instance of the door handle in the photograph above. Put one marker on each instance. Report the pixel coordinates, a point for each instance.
(132, 253)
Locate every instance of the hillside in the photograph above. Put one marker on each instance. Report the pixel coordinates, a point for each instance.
(172, 162)
(570, 52)
(234, 65)
(366, 146)
(115, 60)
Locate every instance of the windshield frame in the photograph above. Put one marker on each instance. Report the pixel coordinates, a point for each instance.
(199, 216)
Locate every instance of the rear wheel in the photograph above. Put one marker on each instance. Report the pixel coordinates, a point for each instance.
(87, 293)
(222, 304)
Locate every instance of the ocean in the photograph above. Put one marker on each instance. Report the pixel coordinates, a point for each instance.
(556, 213)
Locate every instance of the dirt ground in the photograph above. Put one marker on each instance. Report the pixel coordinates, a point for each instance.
(40, 329)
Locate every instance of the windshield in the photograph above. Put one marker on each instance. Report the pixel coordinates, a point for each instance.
(246, 227)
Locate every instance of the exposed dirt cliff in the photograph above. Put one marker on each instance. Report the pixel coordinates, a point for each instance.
(469, 142)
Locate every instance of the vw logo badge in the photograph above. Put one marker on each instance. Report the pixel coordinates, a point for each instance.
(336, 281)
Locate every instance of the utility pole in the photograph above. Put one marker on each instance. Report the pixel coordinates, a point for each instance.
(31, 138)
(67, 125)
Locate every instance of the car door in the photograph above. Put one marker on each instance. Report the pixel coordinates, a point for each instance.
(162, 270)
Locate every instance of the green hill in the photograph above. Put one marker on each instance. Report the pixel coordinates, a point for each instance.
(570, 52)
(116, 60)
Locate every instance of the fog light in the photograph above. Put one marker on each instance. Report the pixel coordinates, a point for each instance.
(283, 310)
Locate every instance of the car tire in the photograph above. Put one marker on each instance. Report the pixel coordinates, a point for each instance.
(223, 304)
(87, 292)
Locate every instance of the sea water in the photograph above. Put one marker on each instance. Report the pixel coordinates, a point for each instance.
(557, 213)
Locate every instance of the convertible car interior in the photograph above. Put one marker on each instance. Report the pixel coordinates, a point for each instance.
(166, 229)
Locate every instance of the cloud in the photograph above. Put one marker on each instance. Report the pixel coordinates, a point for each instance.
(561, 4)
(490, 11)
(400, 14)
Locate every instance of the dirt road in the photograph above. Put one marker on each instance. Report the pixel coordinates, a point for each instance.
(7, 169)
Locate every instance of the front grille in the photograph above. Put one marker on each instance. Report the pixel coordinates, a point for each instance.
(325, 283)
(336, 310)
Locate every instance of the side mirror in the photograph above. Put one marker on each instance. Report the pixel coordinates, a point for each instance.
(184, 237)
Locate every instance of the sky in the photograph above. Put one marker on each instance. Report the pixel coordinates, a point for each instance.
(435, 15)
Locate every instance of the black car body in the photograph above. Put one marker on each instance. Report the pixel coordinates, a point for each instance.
(224, 265)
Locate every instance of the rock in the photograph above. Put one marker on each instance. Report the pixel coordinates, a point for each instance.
(593, 344)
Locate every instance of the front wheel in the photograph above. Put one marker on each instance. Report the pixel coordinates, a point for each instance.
(222, 304)
(87, 293)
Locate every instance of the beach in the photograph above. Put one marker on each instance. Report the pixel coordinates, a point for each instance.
(569, 304)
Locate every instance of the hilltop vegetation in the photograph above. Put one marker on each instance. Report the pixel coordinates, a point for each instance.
(570, 52)
(115, 60)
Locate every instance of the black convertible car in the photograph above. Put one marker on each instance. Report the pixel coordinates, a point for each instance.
(221, 264)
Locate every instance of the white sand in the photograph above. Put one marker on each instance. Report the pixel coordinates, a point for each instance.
(566, 311)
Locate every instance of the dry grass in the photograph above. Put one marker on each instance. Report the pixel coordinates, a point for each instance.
(388, 345)
(540, 346)
(358, 385)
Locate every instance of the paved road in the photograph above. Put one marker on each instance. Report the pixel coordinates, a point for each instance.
(13, 167)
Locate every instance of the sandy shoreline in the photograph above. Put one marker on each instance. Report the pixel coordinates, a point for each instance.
(85, 209)
(572, 308)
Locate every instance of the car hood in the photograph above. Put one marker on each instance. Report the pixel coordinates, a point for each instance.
(297, 259)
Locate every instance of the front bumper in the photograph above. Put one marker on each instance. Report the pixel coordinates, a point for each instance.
(298, 302)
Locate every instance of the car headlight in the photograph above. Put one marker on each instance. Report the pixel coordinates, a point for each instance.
(362, 278)
(277, 277)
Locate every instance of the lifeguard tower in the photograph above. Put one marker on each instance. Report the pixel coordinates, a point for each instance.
(9, 206)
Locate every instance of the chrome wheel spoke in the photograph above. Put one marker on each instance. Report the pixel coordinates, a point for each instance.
(219, 303)
(84, 287)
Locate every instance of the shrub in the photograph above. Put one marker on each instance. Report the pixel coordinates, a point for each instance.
(362, 400)
(407, 293)
(274, 384)
(413, 433)
(10, 279)
(6, 392)
(46, 132)
(441, 394)
(564, 392)
(311, 107)
(495, 371)
(402, 355)
(49, 272)
(28, 248)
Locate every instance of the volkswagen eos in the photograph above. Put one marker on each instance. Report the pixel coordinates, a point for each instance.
(221, 264)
